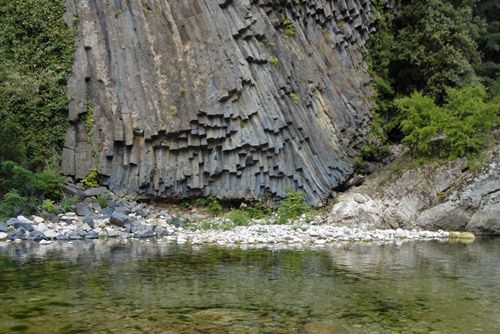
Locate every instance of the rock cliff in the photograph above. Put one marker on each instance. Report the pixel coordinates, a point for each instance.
(232, 98)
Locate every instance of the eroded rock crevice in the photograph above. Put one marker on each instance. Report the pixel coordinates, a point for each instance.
(235, 99)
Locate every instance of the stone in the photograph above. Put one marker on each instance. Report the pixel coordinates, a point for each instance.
(486, 220)
(38, 220)
(84, 209)
(3, 235)
(111, 232)
(119, 218)
(446, 215)
(95, 191)
(62, 237)
(91, 235)
(3, 227)
(75, 236)
(89, 220)
(466, 235)
(45, 242)
(161, 232)
(26, 226)
(12, 221)
(146, 232)
(220, 119)
(36, 236)
(50, 234)
(20, 233)
(85, 227)
(24, 220)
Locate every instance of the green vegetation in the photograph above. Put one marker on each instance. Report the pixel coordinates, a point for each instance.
(293, 206)
(68, 204)
(102, 200)
(287, 27)
(275, 62)
(427, 63)
(36, 50)
(49, 206)
(92, 179)
(211, 203)
(461, 127)
(239, 217)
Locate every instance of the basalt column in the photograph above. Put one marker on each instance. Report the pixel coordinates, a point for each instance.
(231, 98)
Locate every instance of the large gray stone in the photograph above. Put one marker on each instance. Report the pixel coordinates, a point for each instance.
(119, 218)
(95, 191)
(146, 232)
(446, 216)
(486, 220)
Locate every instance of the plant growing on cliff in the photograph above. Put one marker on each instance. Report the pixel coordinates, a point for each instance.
(92, 179)
(275, 62)
(211, 203)
(287, 27)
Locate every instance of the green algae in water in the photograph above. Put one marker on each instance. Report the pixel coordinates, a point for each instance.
(134, 287)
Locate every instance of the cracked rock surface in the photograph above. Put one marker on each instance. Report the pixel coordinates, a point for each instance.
(232, 98)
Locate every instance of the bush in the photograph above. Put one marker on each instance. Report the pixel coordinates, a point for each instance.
(461, 127)
(211, 203)
(49, 183)
(239, 217)
(292, 207)
(92, 179)
(13, 204)
(49, 206)
(68, 204)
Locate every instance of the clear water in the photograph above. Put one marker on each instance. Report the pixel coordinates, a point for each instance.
(137, 287)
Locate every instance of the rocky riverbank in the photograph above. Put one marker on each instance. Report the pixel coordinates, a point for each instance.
(148, 223)
(447, 195)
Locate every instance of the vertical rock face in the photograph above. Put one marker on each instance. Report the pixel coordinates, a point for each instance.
(232, 98)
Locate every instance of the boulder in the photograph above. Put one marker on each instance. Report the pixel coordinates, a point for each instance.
(119, 218)
(95, 191)
(445, 216)
(146, 232)
(36, 236)
(486, 220)
(3, 227)
(92, 235)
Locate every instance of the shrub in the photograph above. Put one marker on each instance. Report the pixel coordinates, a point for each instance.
(49, 206)
(211, 203)
(257, 211)
(287, 27)
(92, 179)
(49, 183)
(13, 204)
(68, 204)
(461, 127)
(239, 217)
(292, 207)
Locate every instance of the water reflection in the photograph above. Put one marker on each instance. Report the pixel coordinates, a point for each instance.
(156, 287)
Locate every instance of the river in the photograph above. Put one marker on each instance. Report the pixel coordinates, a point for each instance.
(158, 287)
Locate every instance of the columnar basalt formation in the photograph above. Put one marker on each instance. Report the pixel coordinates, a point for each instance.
(231, 98)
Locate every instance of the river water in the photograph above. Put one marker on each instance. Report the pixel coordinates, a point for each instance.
(156, 287)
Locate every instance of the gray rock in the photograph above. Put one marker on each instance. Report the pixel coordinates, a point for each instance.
(139, 211)
(252, 127)
(486, 220)
(63, 237)
(24, 220)
(161, 232)
(26, 226)
(92, 235)
(84, 209)
(74, 236)
(135, 226)
(106, 212)
(112, 233)
(95, 191)
(119, 218)
(50, 234)
(36, 236)
(20, 233)
(123, 209)
(80, 232)
(89, 220)
(12, 221)
(3, 235)
(146, 232)
(445, 216)
(3, 227)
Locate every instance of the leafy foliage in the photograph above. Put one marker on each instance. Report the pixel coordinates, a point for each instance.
(292, 207)
(458, 128)
(13, 204)
(92, 179)
(36, 49)
(211, 203)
